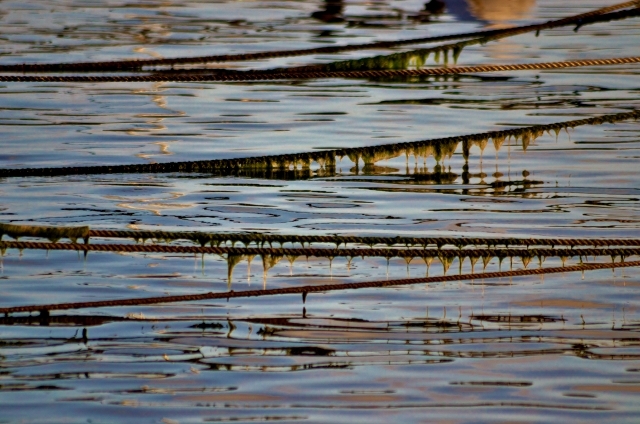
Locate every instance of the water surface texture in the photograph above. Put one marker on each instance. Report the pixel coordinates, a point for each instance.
(559, 347)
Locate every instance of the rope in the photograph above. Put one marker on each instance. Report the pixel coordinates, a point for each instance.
(384, 73)
(579, 20)
(321, 157)
(324, 253)
(376, 62)
(396, 60)
(44, 309)
(332, 253)
(260, 239)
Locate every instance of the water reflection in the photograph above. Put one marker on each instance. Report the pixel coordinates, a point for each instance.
(494, 13)
(332, 12)
(297, 343)
(553, 348)
(189, 356)
(431, 9)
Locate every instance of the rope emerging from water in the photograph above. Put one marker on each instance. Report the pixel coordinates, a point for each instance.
(305, 158)
(269, 76)
(579, 20)
(304, 290)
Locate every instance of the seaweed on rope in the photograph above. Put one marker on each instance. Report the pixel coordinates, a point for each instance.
(53, 234)
(326, 159)
(417, 58)
(272, 256)
(272, 241)
(602, 14)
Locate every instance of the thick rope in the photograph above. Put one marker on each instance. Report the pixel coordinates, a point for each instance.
(260, 239)
(396, 60)
(376, 62)
(322, 157)
(305, 290)
(384, 73)
(326, 253)
(578, 20)
(53, 234)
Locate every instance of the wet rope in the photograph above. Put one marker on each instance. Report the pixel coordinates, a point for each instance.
(260, 239)
(376, 62)
(388, 60)
(578, 20)
(305, 158)
(267, 76)
(73, 233)
(305, 290)
(328, 253)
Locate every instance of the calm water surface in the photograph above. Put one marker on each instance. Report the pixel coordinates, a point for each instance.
(527, 349)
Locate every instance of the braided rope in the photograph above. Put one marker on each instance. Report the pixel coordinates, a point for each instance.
(375, 62)
(383, 61)
(260, 239)
(267, 76)
(327, 253)
(322, 157)
(579, 20)
(304, 290)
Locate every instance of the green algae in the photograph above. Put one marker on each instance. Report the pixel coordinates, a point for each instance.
(53, 234)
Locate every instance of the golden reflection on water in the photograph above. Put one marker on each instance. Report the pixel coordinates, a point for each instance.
(499, 12)
(494, 13)
(154, 205)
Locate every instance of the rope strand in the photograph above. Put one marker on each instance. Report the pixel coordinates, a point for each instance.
(53, 234)
(44, 309)
(268, 76)
(393, 59)
(324, 252)
(323, 157)
(260, 239)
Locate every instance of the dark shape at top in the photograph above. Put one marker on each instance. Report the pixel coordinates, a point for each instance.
(435, 7)
(332, 12)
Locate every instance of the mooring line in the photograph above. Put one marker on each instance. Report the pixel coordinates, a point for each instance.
(74, 233)
(305, 290)
(326, 252)
(382, 73)
(383, 61)
(260, 239)
(578, 20)
(322, 157)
